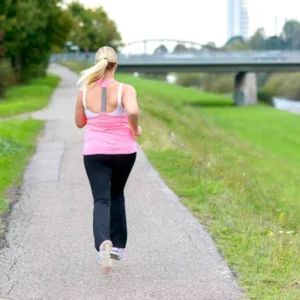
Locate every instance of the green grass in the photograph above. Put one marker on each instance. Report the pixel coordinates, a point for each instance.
(18, 137)
(28, 98)
(237, 169)
(17, 143)
(76, 66)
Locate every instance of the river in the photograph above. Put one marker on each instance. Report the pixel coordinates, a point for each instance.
(287, 105)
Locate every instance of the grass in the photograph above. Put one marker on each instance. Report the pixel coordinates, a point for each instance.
(18, 137)
(237, 169)
(17, 143)
(28, 98)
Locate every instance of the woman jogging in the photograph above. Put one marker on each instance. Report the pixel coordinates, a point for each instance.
(110, 111)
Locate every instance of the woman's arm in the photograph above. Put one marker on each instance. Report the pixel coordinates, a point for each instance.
(130, 104)
(80, 117)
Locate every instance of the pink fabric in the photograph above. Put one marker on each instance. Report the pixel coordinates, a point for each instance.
(105, 83)
(106, 134)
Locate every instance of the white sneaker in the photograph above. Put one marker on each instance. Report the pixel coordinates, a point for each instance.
(117, 253)
(104, 258)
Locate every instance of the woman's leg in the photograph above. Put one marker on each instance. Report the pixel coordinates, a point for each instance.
(121, 170)
(99, 171)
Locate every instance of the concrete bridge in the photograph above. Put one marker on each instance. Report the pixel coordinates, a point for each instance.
(244, 64)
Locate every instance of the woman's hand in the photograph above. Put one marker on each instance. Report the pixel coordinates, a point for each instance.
(139, 132)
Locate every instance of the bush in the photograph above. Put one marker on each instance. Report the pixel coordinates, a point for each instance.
(190, 79)
(265, 96)
(262, 78)
(159, 76)
(219, 83)
(286, 85)
(7, 77)
(215, 83)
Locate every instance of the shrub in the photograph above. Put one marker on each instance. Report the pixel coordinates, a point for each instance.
(220, 83)
(265, 96)
(286, 85)
(6, 76)
(190, 79)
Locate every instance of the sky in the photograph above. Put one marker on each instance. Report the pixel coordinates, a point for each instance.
(190, 20)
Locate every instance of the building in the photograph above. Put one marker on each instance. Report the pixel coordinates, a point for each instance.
(237, 18)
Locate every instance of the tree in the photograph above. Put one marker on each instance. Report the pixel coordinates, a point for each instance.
(235, 40)
(274, 43)
(162, 49)
(31, 29)
(291, 34)
(211, 45)
(180, 48)
(93, 28)
(237, 43)
(257, 41)
(2, 73)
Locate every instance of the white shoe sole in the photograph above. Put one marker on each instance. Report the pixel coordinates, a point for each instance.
(106, 262)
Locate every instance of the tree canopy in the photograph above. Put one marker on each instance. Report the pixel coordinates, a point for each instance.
(32, 29)
(162, 49)
(288, 39)
(92, 28)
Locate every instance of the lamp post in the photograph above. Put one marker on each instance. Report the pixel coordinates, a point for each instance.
(68, 44)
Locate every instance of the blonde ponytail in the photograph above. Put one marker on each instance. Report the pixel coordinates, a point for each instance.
(93, 73)
(106, 58)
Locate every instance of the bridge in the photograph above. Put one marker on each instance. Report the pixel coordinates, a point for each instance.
(214, 63)
(244, 64)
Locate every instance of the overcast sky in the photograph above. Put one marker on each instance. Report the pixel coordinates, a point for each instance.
(196, 20)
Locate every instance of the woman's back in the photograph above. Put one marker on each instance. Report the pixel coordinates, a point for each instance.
(110, 92)
(108, 130)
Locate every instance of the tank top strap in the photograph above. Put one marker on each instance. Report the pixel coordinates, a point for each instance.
(120, 93)
(103, 100)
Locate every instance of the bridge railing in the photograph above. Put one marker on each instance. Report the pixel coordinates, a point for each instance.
(211, 55)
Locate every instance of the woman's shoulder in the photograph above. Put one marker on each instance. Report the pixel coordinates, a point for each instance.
(127, 88)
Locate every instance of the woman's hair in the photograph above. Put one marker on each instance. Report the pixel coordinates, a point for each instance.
(105, 59)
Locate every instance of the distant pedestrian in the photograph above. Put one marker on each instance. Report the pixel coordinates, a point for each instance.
(110, 111)
(87, 53)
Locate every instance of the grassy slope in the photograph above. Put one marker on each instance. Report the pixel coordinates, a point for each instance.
(28, 98)
(238, 172)
(237, 169)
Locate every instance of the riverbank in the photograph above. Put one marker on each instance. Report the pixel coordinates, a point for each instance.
(292, 106)
(235, 168)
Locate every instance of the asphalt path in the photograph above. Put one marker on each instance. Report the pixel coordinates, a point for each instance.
(50, 252)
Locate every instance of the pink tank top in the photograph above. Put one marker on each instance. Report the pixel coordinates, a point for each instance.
(108, 133)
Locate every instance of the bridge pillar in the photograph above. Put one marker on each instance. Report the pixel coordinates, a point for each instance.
(245, 89)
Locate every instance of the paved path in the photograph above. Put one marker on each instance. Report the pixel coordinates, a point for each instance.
(50, 253)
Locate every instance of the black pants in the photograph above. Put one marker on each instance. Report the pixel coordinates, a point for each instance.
(108, 175)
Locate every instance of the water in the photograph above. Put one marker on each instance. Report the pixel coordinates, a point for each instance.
(287, 105)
